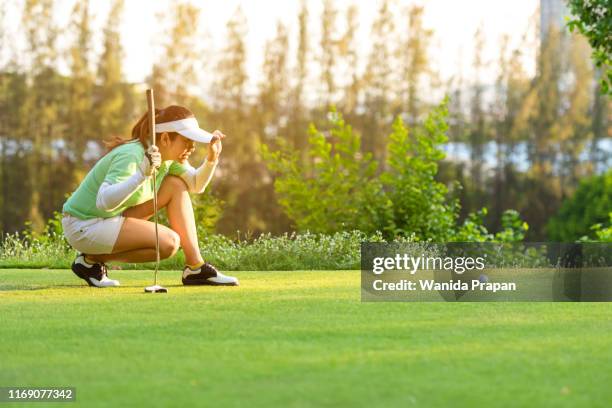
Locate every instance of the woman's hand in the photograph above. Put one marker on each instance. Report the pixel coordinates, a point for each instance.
(215, 146)
(151, 161)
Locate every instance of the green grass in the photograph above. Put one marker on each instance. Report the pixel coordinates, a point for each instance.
(295, 339)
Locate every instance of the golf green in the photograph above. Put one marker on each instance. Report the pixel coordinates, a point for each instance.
(294, 339)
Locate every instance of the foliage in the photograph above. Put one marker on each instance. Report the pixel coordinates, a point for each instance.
(593, 19)
(36, 250)
(473, 229)
(590, 205)
(513, 227)
(295, 251)
(602, 233)
(52, 232)
(336, 189)
(176, 69)
(418, 200)
(338, 186)
(207, 210)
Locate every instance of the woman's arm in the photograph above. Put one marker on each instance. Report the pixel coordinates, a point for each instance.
(111, 196)
(198, 179)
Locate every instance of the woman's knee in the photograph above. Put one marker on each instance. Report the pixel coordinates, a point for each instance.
(174, 183)
(169, 244)
(171, 187)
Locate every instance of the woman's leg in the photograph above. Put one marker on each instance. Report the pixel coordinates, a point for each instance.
(136, 241)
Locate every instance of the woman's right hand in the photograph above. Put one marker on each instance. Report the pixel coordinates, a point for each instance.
(150, 161)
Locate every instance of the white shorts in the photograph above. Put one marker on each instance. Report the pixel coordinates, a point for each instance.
(93, 236)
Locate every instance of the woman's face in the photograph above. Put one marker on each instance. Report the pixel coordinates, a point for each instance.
(178, 149)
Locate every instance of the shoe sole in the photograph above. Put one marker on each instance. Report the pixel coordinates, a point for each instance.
(208, 283)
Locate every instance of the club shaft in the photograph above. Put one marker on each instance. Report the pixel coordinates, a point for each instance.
(151, 117)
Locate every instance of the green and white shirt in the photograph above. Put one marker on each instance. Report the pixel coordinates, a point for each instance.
(119, 165)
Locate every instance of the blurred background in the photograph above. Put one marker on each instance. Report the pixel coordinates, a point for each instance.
(528, 122)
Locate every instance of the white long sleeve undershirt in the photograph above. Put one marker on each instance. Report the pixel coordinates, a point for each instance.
(111, 196)
(198, 179)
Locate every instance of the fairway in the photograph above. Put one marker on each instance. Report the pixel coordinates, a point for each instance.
(294, 339)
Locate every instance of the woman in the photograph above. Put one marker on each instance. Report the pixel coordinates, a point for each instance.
(105, 219)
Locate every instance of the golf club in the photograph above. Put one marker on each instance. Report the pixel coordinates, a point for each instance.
(155, 288)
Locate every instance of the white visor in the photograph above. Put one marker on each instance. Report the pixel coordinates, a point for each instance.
(187, 127)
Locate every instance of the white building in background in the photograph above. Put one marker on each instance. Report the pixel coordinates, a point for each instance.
(552, 13)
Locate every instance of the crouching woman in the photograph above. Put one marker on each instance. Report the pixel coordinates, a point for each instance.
(106, 218)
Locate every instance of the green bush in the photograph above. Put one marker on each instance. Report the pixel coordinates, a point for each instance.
(337, 187)
(590, 205)
(473, 229)
(602, 233)
(419, 202)
(303, 251)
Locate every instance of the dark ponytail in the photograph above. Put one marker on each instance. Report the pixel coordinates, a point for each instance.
(140, 131)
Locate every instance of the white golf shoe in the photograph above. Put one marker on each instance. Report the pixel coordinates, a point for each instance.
(94, 274)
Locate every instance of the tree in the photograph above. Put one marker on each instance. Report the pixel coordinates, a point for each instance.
(479, 130)
(560, 126)
(328, 52)
(175, 72)
(545, 118)
(13, 168)
(347, 51)
(378, 84)
(232, 76)
(273, 87)
(244, 174)
(575, 132)
(508, 126)
(414, 62)
(594, 20)
(42, 106)
(272, 113)
(602, 128)
(297, 131)
(80, 121)
(111, 106)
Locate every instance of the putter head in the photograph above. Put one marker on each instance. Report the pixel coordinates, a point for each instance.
(156, 289)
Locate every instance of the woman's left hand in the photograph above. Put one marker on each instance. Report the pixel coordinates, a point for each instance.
(215, 146)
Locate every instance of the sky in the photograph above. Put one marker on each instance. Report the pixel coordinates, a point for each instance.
(454, 24)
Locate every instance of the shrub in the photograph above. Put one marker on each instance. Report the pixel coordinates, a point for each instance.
(602, 233)
(419, 202)
(335, 188)
(590, 205)
(296, 251)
